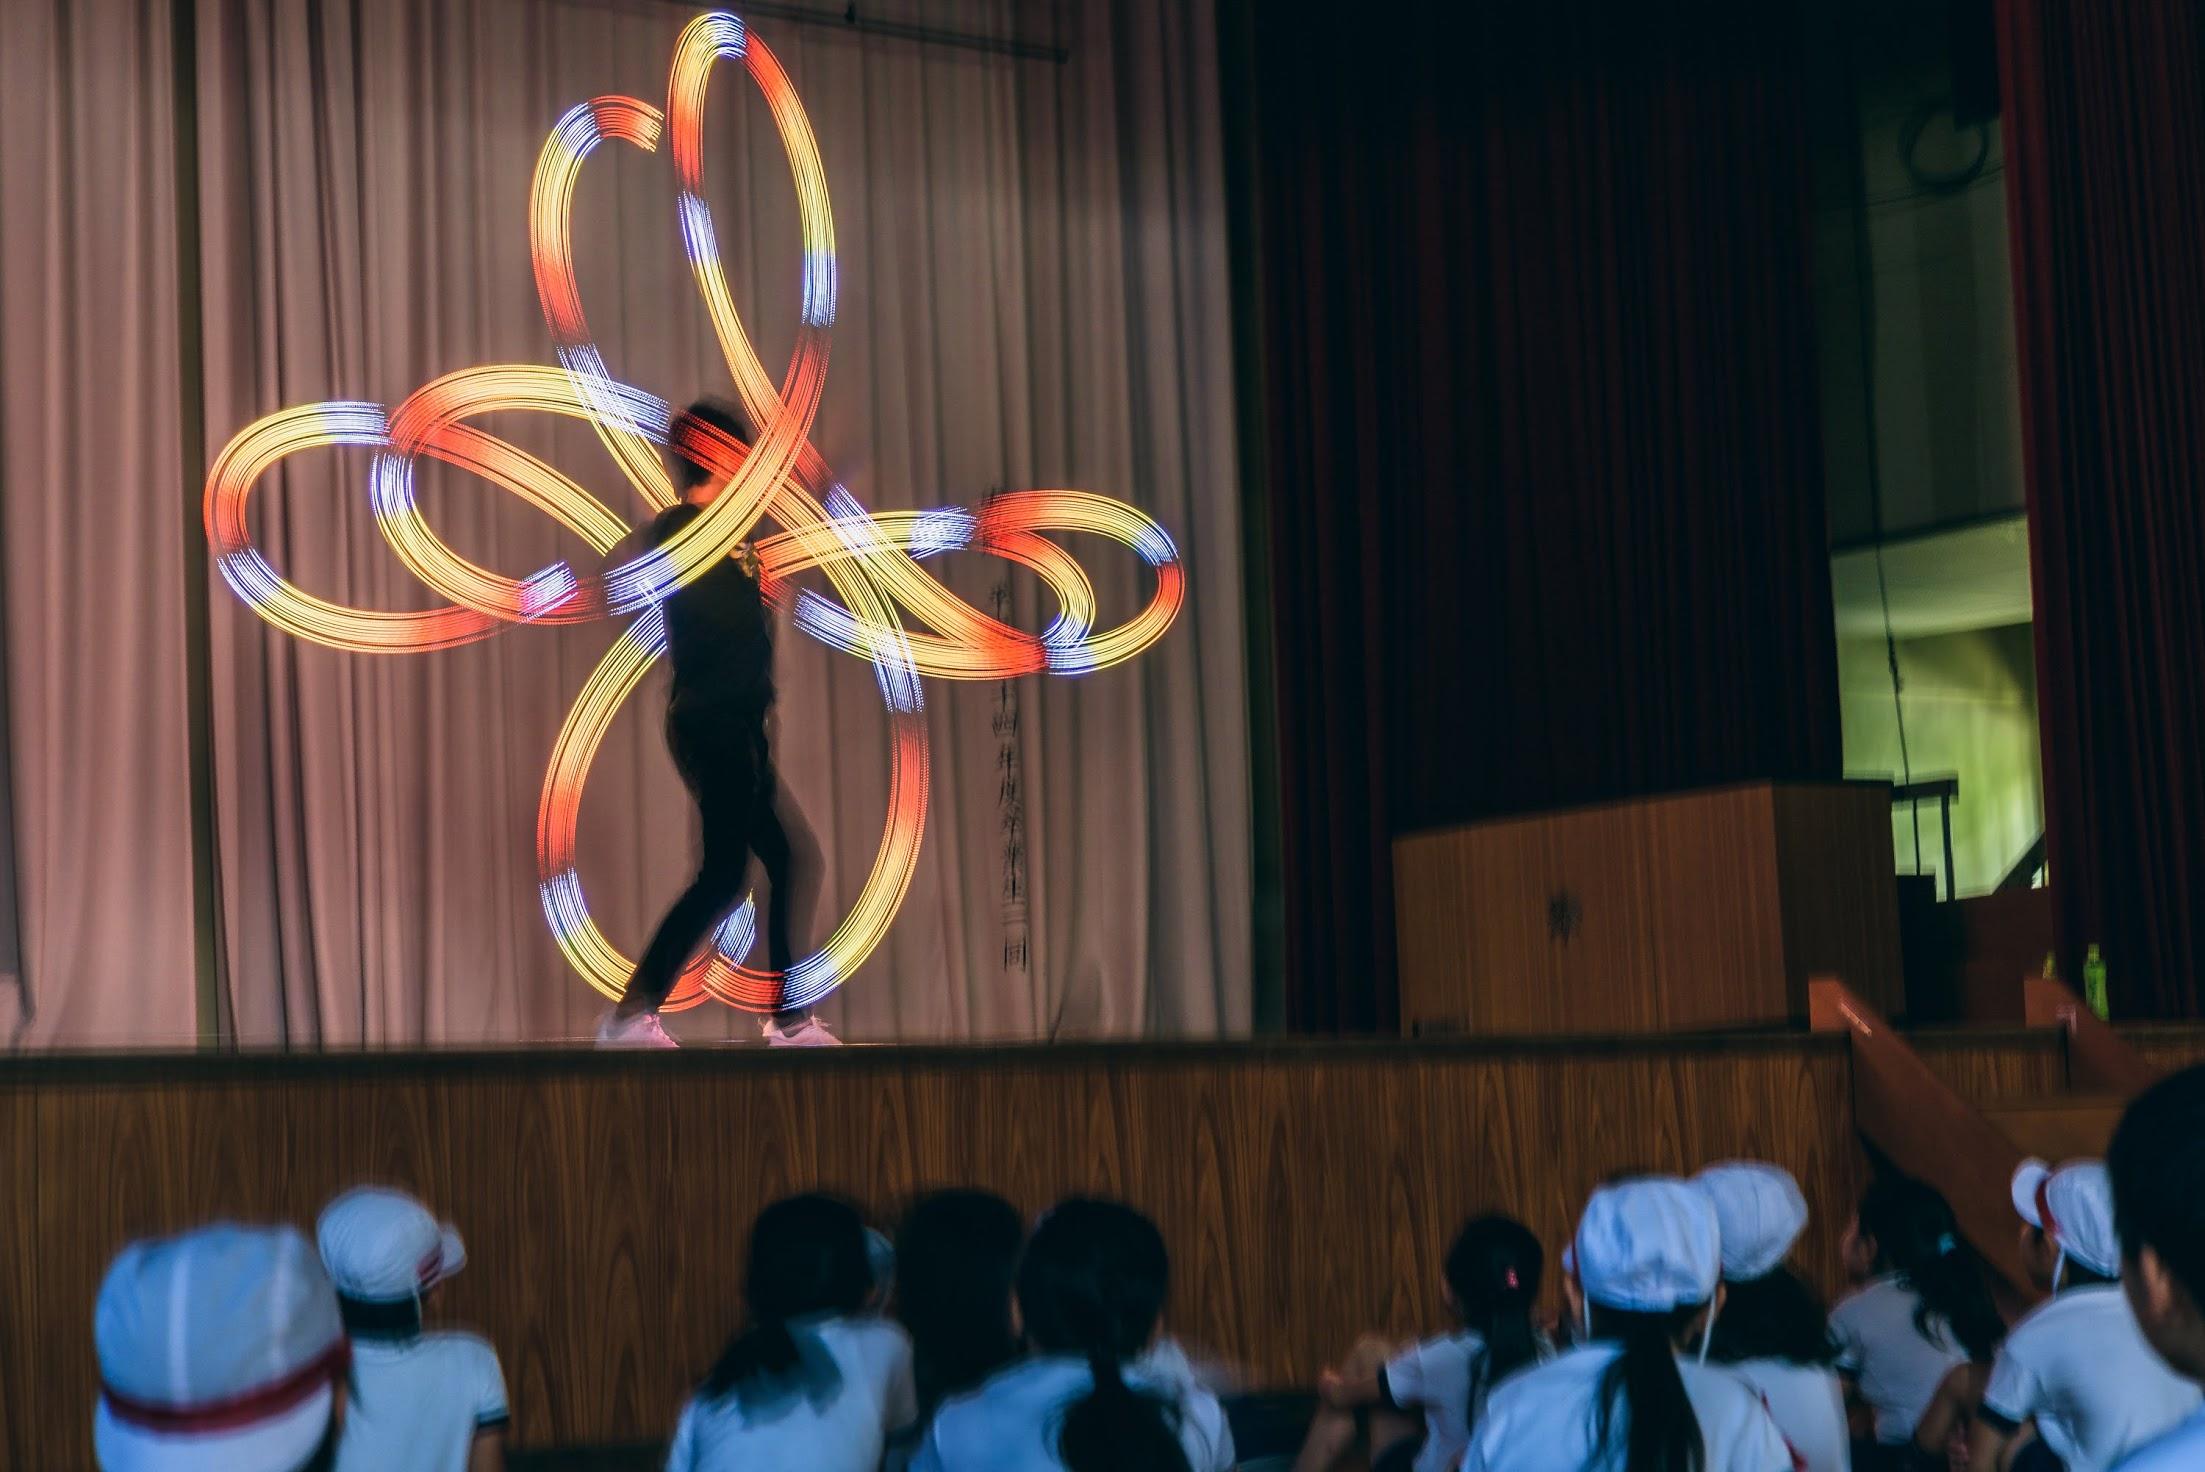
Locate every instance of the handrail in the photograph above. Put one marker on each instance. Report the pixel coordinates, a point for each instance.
(2097, 1057)
(1946, 791)
(1926, 1129)
(2024, 872)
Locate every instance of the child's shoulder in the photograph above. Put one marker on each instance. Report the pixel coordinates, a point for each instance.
(459, 1346)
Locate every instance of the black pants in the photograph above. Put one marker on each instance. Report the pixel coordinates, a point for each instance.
(724, 759)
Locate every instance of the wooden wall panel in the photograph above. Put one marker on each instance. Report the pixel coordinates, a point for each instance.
(2168, 1046)
(1840, 896)
(1991, 1065)
(21, 1363)
(1308, 1192)
(1695, 910)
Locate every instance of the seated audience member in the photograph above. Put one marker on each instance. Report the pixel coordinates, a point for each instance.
(957, 1266)
(2077, 1368)
(812, 1380)
(1920, 1331)
(1491, 1284)
(1648, 1264)
(422, 1401)
(219, 1349)
(1091, 1290)
(2157, 1163)
(1774, 1332)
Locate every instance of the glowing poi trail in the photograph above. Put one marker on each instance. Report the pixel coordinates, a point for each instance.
(870, 561)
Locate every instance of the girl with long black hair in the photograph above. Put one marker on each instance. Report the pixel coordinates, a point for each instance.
(1921, 1331)
(1647, 1261)
(1091, 1291)
(810, 1380)
(1421, 1402)
(956, 1267)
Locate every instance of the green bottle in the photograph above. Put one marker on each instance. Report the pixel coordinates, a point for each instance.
(2094, 983)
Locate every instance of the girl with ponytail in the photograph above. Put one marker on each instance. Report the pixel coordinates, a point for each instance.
(1921, 1330)
(810, 1380)
(1091, 1289)
(1647, 1261)
(1491, 1287)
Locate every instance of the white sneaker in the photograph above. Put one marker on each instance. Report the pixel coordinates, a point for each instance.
(640, 1031)
(806, 1032)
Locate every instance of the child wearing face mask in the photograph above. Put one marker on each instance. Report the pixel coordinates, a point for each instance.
(1647, 1263)
(2075, 1374)
(1774, 1332)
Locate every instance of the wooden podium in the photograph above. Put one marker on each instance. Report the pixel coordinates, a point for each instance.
(1697, 910)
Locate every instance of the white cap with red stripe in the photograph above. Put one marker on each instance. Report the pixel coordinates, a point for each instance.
(382, 1246)
(219, 1351)
(2072, 1205)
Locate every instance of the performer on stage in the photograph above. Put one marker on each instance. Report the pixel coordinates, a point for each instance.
(719, 641)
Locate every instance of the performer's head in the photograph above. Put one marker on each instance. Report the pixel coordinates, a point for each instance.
(697, 483)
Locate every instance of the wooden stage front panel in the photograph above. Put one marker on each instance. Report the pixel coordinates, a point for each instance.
(1308, 1190)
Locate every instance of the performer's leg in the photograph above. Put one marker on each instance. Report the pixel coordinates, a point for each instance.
(770, 841)
(790, 857)
(724, 785)
(692, 917)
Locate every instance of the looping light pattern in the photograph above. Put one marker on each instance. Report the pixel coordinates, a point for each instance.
(870, 562)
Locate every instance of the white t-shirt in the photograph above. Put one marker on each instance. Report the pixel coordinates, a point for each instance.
(1897, 1368)
(846, 1432)
(1542, 1420)
(2180, 1450)
(1808, 1404)
(2081, 1367)
(1010, 1424)
(1434, 1377)
(417, 1404)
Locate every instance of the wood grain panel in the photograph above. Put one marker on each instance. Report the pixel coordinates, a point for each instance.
(1990, 1065)
(1840, 893)
(1703, 909)
(1308, 1192)
(2064, 1127)
(20, 1392)
(2168, 1046)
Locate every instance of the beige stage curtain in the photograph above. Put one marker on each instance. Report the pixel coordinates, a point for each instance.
(1033, 293)
(93, 518)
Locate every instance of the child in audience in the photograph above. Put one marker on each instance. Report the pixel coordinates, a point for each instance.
(1491, 1284)
(422, 1402)
(218, 1349)
(1774, 1332)
(812, 1380)
(957, 1264)
(1648, 1265)
(2157, 1165)
(1091, 1289)
(2077, 1368)
(1923, 1313)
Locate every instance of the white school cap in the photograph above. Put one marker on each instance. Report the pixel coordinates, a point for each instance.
(382, 1246)
(1649, 1244)
(219, 1351)
(1760, 1211)
(2073, 1205)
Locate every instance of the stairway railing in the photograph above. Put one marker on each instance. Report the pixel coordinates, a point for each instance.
(1927, 1130)
(2097, 1056)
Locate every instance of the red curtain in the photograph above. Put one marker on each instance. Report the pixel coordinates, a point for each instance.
(2105, 188)
(1544, 460)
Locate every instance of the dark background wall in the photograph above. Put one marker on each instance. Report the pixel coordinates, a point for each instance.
(1543, 471)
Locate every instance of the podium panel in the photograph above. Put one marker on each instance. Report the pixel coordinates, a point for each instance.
(1693, 910)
